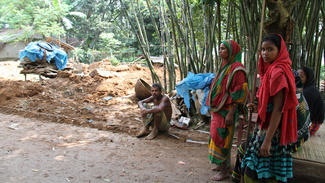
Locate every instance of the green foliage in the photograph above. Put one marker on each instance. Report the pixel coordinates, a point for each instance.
(108, 43)
(41, 16)
(83, 56)
(101, 30)
(114, 61)
(99, 15)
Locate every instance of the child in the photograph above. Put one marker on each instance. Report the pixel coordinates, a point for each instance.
(267, 157)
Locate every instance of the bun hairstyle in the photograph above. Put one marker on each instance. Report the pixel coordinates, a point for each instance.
(274, 38)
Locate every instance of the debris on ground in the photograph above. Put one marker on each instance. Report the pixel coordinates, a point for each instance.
(106, 103)
(43, 59)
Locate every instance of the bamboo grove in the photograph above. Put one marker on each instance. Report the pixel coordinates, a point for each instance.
(191, 30)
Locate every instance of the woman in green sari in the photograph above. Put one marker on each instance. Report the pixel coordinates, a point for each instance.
(227, 91)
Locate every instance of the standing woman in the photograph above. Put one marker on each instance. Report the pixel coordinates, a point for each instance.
(313, 97)
(268, 156)
(227, 90)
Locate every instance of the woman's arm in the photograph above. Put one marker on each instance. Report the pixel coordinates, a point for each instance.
(276, 115)
(229, 120)
(238, 93)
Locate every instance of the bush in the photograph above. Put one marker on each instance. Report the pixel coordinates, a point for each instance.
(83, 56)
(114, 61)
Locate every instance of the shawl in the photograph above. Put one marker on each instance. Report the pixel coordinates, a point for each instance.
(289, 115)
(218, 94)
(313, 97)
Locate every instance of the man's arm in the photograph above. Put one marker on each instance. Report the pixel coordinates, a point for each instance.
(147, 100)
(158, 108)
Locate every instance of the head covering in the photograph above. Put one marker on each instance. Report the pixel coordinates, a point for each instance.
(216, 96)
(234, 50)
(289, 115)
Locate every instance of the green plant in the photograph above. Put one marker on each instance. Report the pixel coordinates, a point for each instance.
(114, 61)
(83, 56)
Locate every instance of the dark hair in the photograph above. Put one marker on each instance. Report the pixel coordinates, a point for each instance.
(297, 79)
(156, 85)
(310, 78)
(274, 38)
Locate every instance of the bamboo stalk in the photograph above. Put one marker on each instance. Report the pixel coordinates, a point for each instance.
(256, 71)
(154, 76)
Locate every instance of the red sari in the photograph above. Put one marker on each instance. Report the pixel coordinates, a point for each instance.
(228, 87)
(275, 77)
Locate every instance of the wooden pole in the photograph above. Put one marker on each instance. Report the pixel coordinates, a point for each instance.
(256, 70)
(255, 79)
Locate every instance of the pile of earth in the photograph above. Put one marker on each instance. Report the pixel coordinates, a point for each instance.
(98, 95)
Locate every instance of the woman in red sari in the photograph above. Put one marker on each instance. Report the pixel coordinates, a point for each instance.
(268, 155)
(227, 90)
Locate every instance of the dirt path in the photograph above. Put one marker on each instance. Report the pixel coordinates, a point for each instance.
(35, 151)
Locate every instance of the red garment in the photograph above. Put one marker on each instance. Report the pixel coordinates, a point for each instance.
(271, 83)
(216, 96)
(239, 79)
(229, 86)
(236, 84)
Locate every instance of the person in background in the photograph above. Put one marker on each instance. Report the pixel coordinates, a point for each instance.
(227, 91)
(313, 97)
(157, 116)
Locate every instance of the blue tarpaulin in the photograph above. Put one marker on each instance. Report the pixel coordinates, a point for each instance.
(195, 82)
(35, 50)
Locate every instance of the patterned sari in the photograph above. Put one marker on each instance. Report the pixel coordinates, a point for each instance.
(228, 87)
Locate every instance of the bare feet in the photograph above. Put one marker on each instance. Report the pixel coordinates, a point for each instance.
(217, 168)
(152, 134)
(221, 175)
(144, 131)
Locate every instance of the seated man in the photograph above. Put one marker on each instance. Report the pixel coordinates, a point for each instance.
(158, 116)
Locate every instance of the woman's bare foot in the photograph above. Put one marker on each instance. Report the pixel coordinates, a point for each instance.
(221, 175)
(144, 131)
(152, 134)
(217, 168)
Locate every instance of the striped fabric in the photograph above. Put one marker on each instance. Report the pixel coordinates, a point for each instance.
(314, 127)
(218, 155)
(278, 166)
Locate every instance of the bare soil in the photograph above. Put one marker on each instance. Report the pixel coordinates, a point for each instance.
(63, 130)
(35, 151)
(68, 129)
(77, 99)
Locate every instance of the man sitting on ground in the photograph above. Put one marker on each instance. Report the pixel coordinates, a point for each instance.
(157, 116)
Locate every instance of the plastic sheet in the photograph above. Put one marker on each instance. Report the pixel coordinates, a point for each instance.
(194, 82)
(35, 51)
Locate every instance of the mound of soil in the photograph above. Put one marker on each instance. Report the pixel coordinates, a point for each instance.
(98, 95)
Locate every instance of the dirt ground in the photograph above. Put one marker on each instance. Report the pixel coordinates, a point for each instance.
(35, 151)
(63, 130)
(80, 99)
(99, 96)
